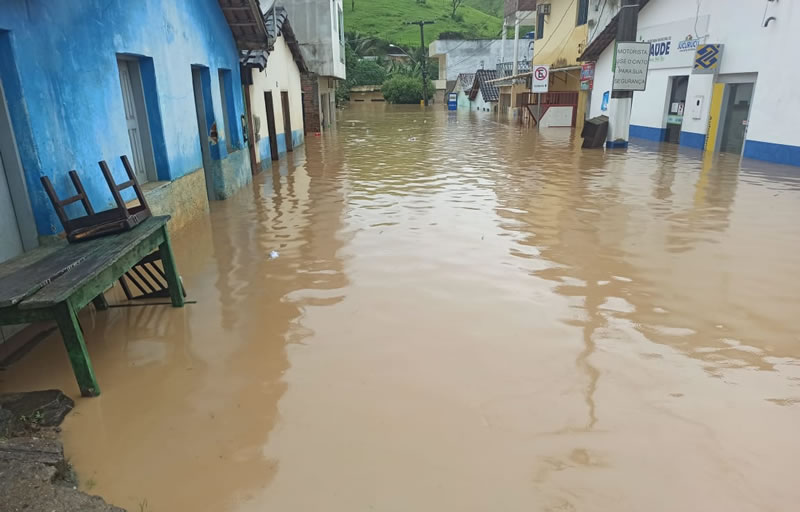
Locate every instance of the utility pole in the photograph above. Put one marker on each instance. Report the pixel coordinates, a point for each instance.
(424, 57)
(621, 101)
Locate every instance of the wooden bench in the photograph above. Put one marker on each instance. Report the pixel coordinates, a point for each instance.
(56, 282)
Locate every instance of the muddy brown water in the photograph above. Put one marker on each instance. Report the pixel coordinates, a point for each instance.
(465, 315)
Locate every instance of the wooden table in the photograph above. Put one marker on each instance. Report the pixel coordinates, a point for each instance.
(55, 282)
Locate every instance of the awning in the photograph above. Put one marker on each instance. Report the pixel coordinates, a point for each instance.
(528, 73)
(604, 38)
(244, 19)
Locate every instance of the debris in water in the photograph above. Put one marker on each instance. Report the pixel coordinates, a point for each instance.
(412, 139)
(273, 255)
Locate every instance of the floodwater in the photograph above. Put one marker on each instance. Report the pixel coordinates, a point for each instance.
(465, 315)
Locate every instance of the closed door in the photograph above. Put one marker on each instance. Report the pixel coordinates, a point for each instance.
(10, 239)
(134, 124)
(273, 133)
(287, 120)
(737, 111)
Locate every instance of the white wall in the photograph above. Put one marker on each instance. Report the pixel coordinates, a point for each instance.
(480, 105)
(281, 74)
(557, 117)
(316, 25)
(749, 48)
(465, 56)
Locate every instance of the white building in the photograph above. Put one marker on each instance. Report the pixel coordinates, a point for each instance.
(319, 27)
(462, 88)
(275, 94)
(484, 95)
(458, 56)
(748, 106)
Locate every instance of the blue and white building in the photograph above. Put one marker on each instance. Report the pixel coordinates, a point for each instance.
(747, 106)
(90, 80)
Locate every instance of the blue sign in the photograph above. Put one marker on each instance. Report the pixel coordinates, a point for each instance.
(604, 105)
(707, 58)
(452, 101)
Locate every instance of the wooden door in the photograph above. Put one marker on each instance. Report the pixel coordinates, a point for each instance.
(287, 120)
(273, 134)
(132, 119)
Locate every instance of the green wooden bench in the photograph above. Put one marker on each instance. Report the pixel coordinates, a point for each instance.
(56, 282)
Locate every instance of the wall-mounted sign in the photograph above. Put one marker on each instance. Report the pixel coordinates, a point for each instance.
(674, 44)
(540, 81)
(707, 59)
(587, 76)
(631, 61)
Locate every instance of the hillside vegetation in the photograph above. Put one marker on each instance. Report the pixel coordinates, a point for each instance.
(384, 19)
(493, 7)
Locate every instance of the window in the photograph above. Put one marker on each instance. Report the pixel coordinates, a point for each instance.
(231, 133)
(539, 25)
(583, 12)
(341, 34)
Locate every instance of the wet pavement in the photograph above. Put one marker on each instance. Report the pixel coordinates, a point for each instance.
(464, 315)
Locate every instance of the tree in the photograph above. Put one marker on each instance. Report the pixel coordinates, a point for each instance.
(456, 5)
(405, 90)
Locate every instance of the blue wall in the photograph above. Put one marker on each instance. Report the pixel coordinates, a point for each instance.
(58, 65)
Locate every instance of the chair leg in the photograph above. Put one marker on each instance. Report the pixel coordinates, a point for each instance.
(100, 302)
(171, 271)
(67, 320)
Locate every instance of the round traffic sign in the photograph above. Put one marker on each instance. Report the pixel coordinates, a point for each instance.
(540, 73)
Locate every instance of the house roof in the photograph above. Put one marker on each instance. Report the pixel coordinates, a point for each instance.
(244, 19)
(466, 80)
(604, 38)
(277, 24)
(489, 91)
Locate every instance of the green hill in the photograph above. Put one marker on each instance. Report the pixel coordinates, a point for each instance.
(384, 19)
(492, 7)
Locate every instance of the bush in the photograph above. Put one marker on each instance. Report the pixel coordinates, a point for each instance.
(366, 72)
(405, 90)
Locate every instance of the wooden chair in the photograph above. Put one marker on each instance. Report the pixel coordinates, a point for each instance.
(93, 225)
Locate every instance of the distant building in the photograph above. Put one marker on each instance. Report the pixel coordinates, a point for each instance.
(484, 95)
(463, 87)
(458, 56)
(740, 98)
(319, 28)
(275, 92)
(84, 81)
(367, 94)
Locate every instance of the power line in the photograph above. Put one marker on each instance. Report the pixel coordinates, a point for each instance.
(557, 26)
(599, 19)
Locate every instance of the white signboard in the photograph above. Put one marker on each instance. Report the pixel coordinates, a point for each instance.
(674, 43)
(631, 61)
(541, 79)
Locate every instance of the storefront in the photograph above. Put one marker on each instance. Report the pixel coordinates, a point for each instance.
(707, 86)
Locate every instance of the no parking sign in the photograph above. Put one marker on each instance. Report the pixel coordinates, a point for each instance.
(541, 79)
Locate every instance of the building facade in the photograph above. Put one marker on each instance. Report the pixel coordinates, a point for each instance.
(275, 92)
(83, 82)
(319, 27)
(561, 35)
(744, 105)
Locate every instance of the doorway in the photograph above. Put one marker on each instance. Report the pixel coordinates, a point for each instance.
(287, 121)
(130, 80)
(17, 230)
(273, 135)
(738, 98)
(676, 107)
(199, 76)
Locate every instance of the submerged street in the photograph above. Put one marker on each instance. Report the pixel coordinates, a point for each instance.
(464, 315)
